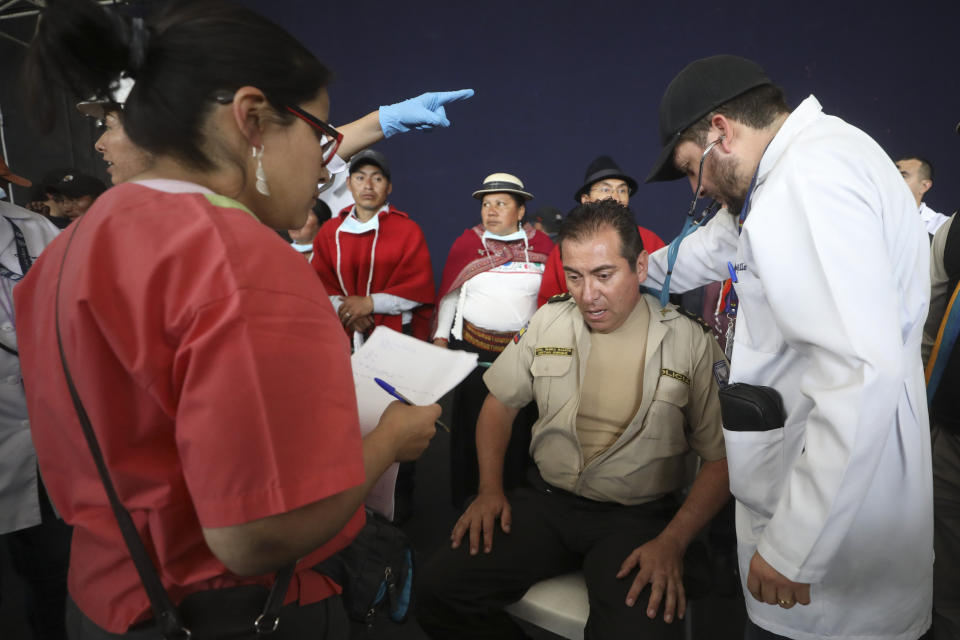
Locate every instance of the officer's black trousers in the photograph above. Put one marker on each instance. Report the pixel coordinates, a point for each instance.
(462, 596)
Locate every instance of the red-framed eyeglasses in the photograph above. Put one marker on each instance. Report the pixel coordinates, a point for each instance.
(329, 137)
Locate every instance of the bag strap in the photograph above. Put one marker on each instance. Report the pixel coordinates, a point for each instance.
(943, 346)
(268, 621)
(168, 618)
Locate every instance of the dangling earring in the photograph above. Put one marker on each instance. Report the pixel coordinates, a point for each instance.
(262, 187)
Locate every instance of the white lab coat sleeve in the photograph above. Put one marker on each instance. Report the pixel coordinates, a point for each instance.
(702, 257)
(832, 292)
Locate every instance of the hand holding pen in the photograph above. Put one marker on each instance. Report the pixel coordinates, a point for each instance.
(389, 388)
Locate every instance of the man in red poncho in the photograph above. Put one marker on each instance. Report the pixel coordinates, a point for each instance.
(373, 259)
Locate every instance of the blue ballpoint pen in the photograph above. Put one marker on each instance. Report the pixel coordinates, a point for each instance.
(733, 272)
(389, 388)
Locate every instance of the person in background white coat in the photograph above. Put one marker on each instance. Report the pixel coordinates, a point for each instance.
(918, 174)
(36, 540)
(834, 510)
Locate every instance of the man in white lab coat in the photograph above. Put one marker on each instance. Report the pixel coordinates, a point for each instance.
(834, 510)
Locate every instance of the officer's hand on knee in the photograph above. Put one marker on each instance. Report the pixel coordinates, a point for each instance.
(659, 563)
(480, 519)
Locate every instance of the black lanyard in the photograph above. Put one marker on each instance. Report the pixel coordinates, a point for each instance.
(23, 255)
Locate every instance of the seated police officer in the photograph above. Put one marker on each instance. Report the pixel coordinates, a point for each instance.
(625, 388)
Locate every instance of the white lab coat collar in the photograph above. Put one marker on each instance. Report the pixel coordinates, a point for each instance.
(805, 113)
(932, 220)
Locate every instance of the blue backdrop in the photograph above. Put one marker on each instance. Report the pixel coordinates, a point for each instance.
(558, 83)
(561, 82)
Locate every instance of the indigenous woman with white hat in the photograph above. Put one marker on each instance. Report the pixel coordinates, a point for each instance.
(487, 294)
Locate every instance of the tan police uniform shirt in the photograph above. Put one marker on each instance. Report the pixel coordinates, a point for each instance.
(678, 408)
(608, 397)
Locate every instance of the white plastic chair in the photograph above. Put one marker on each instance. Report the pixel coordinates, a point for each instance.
(561, 606)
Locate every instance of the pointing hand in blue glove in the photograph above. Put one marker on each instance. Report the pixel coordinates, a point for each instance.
(423, 112)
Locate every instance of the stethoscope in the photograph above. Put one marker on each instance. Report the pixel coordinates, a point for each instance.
(690, 224)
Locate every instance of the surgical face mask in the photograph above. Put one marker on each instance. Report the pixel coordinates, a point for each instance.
(520, 234)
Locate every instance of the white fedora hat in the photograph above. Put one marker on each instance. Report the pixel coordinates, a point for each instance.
(502, 183)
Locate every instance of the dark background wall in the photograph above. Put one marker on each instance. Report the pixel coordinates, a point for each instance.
(560, 82)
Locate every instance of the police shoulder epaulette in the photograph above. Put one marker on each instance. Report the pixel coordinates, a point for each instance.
(689, 314)
(560, 297)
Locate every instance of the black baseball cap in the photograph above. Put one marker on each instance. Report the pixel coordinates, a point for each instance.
(369, 156)
(549, 218)
(73, 183)
(701, 87)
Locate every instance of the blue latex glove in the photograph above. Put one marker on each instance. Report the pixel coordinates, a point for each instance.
(423, 112)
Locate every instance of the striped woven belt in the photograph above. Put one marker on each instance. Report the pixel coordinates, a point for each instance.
(479, 337)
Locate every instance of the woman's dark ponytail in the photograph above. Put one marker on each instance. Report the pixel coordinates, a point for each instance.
(79, 47)
(179, 59)
(138, 41)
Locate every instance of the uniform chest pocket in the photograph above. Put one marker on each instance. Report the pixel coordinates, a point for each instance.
(673, 388)
(665, 418)
(755, 328)
(550, 366)
(551, 377)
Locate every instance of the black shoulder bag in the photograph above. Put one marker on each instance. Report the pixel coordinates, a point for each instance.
(750, 407)
(376, 572)
(206, 616)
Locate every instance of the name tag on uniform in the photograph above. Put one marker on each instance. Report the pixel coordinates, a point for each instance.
(676, 375)
(553, 351)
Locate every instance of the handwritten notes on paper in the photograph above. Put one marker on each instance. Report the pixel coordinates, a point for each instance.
(419, 370)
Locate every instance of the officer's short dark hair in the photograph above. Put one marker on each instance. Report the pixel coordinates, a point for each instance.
(588, 219)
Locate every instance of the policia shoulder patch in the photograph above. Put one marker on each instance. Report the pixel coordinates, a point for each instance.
(676, 375)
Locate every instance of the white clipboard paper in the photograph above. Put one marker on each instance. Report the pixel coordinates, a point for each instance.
(419, 370)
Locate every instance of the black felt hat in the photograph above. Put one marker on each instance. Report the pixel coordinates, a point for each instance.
(600, 169)
(700, 88)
